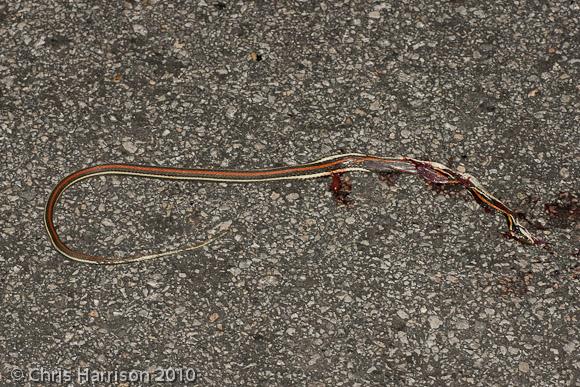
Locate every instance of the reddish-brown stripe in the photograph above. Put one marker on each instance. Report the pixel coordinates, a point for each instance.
(167, 171)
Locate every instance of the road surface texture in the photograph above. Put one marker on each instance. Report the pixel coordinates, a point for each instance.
(404, 286)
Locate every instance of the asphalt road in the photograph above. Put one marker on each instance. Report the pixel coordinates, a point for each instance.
(404, 287)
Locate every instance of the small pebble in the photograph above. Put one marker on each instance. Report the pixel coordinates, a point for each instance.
(434, 322)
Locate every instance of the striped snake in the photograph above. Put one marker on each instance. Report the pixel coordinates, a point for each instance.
(329, 166)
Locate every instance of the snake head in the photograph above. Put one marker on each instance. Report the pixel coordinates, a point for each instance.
(520, 233)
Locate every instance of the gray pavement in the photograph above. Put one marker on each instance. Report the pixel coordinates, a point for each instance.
(404, 287)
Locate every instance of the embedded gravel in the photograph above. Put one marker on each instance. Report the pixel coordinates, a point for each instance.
(405, 286)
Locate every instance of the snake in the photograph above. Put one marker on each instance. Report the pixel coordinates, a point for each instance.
(432, 172)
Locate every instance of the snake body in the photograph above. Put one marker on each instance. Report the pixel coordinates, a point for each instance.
(431, 171)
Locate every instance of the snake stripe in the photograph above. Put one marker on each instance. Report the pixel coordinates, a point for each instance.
(432, 172)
